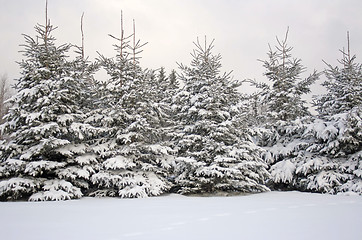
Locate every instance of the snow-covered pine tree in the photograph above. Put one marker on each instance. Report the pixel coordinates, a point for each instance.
(164, 89)
(163, 83)
(44, 156)
(344, 86)
(174, 84)
(133, 159)
(323, 154)
(337, 142)
(83, 70)
(340, 113)
(319, 155)
(4, 95)
(278, 111)
(215, 153)
(158, 85)
(165, 86)
(283, 99)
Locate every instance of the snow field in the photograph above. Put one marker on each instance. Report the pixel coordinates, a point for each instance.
(272, 215)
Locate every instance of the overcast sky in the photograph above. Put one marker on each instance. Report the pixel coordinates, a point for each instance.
(242, 29)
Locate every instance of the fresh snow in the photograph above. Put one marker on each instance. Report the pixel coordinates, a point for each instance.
(271, 215)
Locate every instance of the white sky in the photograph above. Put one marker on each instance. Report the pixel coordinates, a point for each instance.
(242, 29)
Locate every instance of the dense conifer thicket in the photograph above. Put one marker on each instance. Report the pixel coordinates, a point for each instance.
(143, 133)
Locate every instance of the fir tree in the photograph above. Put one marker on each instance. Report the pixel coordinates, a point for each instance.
(280, 115)
(283, 98)
(344, 86)
(162, 85)
(44, 157)
(174, 84)
(323, 153)
(318, 155)
(162, 75)
(4, 95)
(215, 152)
(133, 159)
(340, 112)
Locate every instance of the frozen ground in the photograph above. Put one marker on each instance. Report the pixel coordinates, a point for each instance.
(273, 215)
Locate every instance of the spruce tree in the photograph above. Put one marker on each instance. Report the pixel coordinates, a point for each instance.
(4, 95)
(344, 86)
(283, 99)
(215, 153)
(319, 155)
(323, 153)
(340, 110)
(133, 159)
(277, 111)
(174, 84)
(162, 85)
(44, 156)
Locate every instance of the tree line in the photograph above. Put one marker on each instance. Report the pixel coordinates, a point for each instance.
(140, 133)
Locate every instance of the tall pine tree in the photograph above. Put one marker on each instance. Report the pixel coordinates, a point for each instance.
(215, 152)
(344, 86)
(323, 153)
(133, 161)
(283, 99)
(44, 157)
(279, 112)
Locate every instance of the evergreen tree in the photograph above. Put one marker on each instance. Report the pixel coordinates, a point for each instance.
(162, 85)
(318, 155)
(323, 154)
(344, 87)
(133, 159)
(162, 93)
(279, 114)
(162, 75)
(44, 157)
(215, 151)
(340, 110)
(174, 84)
(283, 98)
(4, 95)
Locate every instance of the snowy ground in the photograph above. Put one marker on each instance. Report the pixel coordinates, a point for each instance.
(273, 215)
